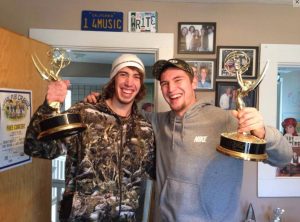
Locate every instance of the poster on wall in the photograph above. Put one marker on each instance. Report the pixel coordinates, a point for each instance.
(15, 114)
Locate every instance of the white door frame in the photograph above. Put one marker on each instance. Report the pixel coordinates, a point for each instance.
(279, 55)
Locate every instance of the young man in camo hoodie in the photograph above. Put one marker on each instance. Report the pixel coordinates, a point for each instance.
(108, 162)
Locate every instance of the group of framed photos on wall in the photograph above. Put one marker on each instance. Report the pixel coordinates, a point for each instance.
(199, 38)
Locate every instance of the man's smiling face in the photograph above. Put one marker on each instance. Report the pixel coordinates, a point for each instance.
(178, 89)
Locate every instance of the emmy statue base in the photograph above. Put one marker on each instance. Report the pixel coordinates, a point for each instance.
(60, 126)
(242, 146)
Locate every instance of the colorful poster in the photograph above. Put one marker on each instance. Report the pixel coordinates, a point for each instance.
(15, 114)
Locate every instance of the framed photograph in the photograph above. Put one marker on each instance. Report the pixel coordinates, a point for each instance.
(205, 70)
(226, 63)
(226, 93)
(196, 38)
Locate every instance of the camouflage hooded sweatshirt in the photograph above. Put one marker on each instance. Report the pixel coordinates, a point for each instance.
(106, 165)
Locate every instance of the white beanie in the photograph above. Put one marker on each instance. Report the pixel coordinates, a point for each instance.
(126, 60)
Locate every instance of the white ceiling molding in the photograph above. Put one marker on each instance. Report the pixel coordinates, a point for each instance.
(273, 2)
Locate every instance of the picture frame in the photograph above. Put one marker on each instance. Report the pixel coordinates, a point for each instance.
(223, 51)
(196, 38)
(227, 102)
(204, 68)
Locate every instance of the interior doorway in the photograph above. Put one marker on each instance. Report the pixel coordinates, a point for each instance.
(283, 59)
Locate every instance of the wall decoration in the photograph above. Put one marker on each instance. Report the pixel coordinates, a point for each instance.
(205, 70)
(102, 21)
(226, 93)
(196, 38)
(142, 21)
(15, 114)
(223, 66)
(290, 132)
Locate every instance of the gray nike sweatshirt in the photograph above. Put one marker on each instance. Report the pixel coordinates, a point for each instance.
(196, 183)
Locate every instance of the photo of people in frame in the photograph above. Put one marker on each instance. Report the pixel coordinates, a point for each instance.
(290, 132)
(226, 93)
(205, 71)
(223, 51)
(196, 38)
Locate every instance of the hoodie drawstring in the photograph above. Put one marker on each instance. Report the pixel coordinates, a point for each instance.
(120, 154)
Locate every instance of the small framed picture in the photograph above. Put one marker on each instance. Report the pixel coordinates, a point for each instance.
(205, 71)
(196, 38)
(228, 57)
(226, 93)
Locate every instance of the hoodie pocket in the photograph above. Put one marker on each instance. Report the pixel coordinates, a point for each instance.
(179, 201)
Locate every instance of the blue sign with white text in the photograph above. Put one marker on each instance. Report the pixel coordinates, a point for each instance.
(102, 21)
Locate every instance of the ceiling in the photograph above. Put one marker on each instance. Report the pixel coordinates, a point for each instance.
(278, 2)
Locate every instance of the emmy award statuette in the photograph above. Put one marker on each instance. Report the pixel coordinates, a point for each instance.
(242, 145)
(57, 125)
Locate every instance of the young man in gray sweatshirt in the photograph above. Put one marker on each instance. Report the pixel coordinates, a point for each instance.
(195, 183)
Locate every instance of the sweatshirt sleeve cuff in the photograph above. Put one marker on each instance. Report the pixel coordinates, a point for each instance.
(270, 135)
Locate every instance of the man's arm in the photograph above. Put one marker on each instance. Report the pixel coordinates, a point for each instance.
(37, 148)
(278, 149)
(52, 148)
